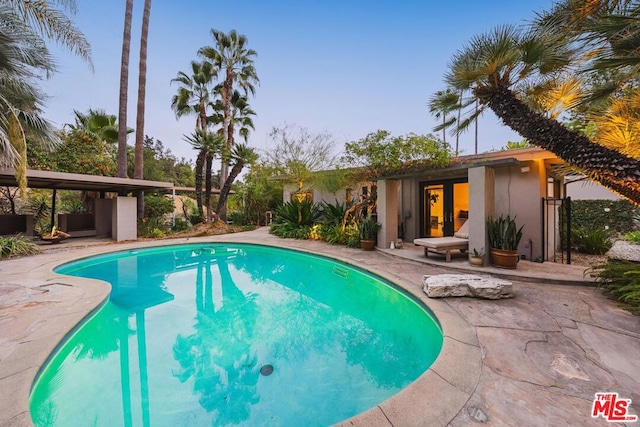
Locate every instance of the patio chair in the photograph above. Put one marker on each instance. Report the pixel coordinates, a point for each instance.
(444, 245)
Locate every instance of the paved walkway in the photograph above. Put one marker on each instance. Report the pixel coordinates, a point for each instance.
(536, 359)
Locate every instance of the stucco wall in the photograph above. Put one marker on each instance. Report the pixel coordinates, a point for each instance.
(586, 189)
(518, 192)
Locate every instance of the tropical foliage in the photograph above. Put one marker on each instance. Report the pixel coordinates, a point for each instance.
(621, 280)
(563, 56)
(380, 154)
(15, 246)
(25, 58)
(591, 240)
(503, 233)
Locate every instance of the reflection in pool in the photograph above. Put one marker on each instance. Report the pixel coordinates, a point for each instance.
(189, 332)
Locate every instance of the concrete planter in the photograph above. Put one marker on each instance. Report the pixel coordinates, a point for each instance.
(367, 244)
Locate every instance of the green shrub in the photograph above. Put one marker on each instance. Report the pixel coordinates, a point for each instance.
(152, 227)
(179, 225)
(335, 235)
(290, 230)
(300, 213)
(633, 237)
(590, 240)
(333, 214)
(618, 215)
(503, 232)
(195, 218)
(621, 280)
(157, 206)
(73, 207)
(238, 218)
(16, 245)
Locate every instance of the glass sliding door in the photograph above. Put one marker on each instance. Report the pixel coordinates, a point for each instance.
(444, 207)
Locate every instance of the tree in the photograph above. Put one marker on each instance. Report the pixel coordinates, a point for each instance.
(124, 88)
(497, 65)
(241, 156)
(205, 143)
(138, 169)
(441, 104)
(380, 154)
(297, 153)
(231, 57)
(97, 124)
(24, 58)
(193, 97)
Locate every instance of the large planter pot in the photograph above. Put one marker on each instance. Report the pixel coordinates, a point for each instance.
(367, 244)
(504, 259)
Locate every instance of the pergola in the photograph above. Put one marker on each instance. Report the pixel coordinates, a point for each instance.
(121, 212)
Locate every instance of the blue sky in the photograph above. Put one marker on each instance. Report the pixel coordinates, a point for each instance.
(348, 67)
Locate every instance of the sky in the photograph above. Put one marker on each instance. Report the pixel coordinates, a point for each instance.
(346, 67)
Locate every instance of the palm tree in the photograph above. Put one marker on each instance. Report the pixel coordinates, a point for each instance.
(241, 156)
(97, 124)
(124, 88)
(231, 57)
(138, 162)
(241, 116)
(23, 57)
(193, 97)
(495, 66)
(205, 143)
(441, 104)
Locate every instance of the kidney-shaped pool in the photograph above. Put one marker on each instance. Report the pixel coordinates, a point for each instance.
(220, 334)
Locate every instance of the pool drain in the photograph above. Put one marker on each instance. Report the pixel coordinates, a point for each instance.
(266, 370)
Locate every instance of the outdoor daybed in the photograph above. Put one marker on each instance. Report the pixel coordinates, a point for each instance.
(460, 241)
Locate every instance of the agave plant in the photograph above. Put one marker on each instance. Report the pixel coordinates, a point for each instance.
(503, 233)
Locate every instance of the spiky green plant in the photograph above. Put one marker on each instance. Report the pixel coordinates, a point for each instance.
(591, 240)
(16, 245)
(368, 228)
(503, 233)
(621, 280)
(334, 213)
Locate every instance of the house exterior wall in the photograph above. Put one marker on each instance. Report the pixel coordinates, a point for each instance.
(320, 195)
(585, 189)
(518, 192)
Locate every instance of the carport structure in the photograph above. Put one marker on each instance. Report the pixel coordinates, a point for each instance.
(112, 216)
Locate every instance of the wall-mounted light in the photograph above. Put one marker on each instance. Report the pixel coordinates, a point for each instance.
(524, 169)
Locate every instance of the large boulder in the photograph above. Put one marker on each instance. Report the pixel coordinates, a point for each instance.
(466, 285)
(623, 250)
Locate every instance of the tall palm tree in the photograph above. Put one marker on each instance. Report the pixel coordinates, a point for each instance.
(241, 117)
(124, 88)
(205, 142)
(193, 97)
(241, 155)
(441, 104)
(138, 162)
(231, 57)
(495, 66)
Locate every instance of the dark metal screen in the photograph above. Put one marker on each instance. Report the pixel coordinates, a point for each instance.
(556, 229)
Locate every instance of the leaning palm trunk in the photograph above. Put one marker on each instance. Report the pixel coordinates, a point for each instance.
(200, 160)
(604, 165)
(226, 189)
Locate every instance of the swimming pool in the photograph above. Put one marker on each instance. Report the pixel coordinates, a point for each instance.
(216, 334)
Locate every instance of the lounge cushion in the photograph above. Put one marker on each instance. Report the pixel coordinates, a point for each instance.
(463, 232)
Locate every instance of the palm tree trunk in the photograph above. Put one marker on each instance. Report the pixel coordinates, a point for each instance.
(458, 122)
(476, 127)
(227, 92)
(604, 165)
(226, 189)
(207, 195)
(124, 84)
(199, 166)
(138, 163)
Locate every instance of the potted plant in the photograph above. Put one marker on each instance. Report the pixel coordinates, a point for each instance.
(504, 237)
(476, 257)
(368, 229)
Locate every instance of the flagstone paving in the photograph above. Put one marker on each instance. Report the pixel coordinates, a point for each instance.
(536, 359)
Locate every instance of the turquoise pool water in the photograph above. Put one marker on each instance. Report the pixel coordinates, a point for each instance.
(212, 334)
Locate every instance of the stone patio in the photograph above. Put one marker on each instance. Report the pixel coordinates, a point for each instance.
(535, 359)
